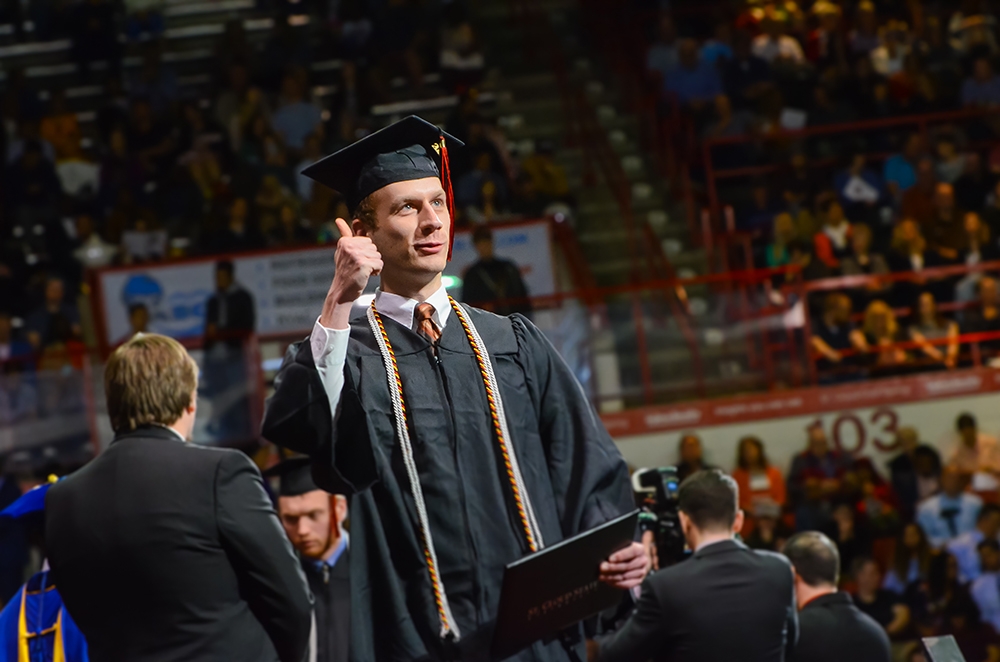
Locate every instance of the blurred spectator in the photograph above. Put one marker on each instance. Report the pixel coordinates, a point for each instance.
(548, 177)
(42, 324)
(833, 335)
(886, 607)
(864, 38)
(462, 60)
(850, 532)
(154, 82)
(268, 203)
(769, 531)
(296, 118)
(881, 332)
(986, 589)
(818, 462)
(826, 46)
(918, 200)
(144, 241)
(150, 140)
(239, 234)
(229, 313)
(291, 230)
(799, 186)
(908, 252)
(971, 451)
(975, 638)
(912, 479)
(138, 319)
(782, 235)
(888, 57)
(950, 165)
(482, 188)
(662, 56)
(718, 49)
(965, 547)
(900, 170)
(11, 348)
(832, 242)
(800, 254)
(493, 283)
(694, 82)
(312, 152)
(829, 108)
(29, 132)
(985, 316)
(982, 89)
(32, 189)
(95, 35)
(975, 184)
(773, 45)
(758, 480)
(690, 457)
(61, 129)
(930, 326)
(860, 190)
(911, 559)
(976, 249)
(238, 103)
(861, 261)
(143, 20)
(932, 599)
(951, 513)
(991, 213)
(746, 77)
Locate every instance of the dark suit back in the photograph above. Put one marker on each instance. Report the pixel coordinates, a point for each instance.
(833, 629)
(167, 551)
(726, 602)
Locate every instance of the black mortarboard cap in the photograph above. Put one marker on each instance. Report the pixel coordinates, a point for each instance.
(409, 149)
(294, 476)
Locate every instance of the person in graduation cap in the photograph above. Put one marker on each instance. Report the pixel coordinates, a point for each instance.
(314, 522)
(35, 626)
(464, 439)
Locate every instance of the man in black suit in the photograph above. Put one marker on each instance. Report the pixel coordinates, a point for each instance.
(166, 551)
(726, 602)
(831, 628)
(229, 321)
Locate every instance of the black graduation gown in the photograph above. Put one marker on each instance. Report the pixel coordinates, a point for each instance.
(331, 591)
(574, 475)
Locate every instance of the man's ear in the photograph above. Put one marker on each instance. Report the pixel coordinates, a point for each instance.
(739, 520)
(360, 229)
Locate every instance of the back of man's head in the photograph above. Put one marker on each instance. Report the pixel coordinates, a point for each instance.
(149, 380)
(815, 558)
(709, 500)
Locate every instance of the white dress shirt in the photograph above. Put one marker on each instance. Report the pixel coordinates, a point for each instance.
(329, 346)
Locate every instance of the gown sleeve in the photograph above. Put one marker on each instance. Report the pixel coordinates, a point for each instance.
(299, 417)
(588, 474)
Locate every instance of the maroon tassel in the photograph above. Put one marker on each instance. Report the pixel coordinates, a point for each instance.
(446, 182)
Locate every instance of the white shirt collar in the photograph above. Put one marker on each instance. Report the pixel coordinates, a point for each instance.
(400, 309)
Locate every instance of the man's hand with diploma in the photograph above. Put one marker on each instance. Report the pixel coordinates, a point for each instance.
(627, 567)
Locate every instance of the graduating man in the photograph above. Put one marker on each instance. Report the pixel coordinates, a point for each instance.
(463, 437)
(314, 522)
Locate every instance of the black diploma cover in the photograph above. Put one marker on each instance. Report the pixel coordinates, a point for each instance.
(551, 590)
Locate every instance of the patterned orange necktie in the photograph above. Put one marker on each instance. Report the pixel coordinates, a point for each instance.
(424, 316)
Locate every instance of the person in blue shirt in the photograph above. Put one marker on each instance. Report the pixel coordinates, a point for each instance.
(35, 626)
(694, 82)
(314, 523)
(965, 548)
(900, 170)
(986, 589)
(951, 513)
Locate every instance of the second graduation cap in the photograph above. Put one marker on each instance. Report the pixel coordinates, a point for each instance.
(294, 476)
(406, 150)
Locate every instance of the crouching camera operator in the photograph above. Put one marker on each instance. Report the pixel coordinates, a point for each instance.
(724, 602)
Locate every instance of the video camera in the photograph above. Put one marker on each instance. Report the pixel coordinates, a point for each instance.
(656, 494)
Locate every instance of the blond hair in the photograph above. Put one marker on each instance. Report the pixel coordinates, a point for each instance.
(878, 309)
(149, 380)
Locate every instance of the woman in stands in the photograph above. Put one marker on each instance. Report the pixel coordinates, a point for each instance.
(908, 253)
(930, 326)
(911, 560)
(881, 332)
(863, 262)
(758, 480)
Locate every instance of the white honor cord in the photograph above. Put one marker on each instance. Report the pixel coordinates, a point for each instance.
(449, 627)
(536, 531)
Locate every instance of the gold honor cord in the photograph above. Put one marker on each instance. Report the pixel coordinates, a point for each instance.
(524, 510)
